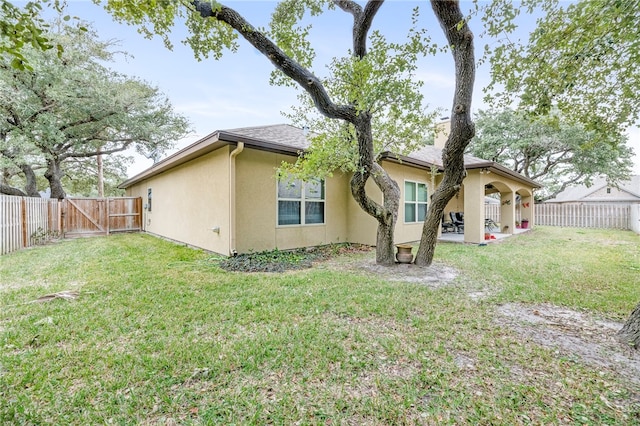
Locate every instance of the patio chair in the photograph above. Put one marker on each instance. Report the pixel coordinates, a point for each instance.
(447, 226)
(457, 219)
(490, 224)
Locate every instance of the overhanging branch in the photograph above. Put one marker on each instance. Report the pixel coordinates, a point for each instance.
(307, 80)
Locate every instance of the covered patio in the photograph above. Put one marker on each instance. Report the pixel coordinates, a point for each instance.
(512, 193)
(454, 237)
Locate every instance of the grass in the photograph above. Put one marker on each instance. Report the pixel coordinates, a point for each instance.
(592, 269)
(161, 334)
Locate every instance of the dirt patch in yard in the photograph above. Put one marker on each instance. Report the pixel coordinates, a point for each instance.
(573, 334)
(436, 275)
(360, 259)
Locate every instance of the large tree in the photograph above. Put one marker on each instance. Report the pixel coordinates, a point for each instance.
(383, 83)
(550, 151)
(215, 26)
(462, 130)
(70, 107)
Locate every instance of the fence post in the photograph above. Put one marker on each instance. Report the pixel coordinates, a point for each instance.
(140, 213)
(63, 216)
(23, 207)
(108, 202)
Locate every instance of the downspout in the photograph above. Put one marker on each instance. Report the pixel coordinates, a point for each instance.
(232, 198)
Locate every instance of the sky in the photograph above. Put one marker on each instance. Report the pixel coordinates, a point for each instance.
(235, 92)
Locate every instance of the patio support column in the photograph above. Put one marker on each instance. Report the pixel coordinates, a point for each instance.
(526, 208)
(507, 212)
(474, 207)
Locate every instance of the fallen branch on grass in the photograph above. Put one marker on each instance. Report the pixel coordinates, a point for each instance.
(67, 295)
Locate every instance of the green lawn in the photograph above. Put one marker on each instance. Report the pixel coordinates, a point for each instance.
(161, 335)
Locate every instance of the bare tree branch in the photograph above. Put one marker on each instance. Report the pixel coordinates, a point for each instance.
(362, 20)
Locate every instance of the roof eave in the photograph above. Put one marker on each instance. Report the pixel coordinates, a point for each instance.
(409, 161)
(503, 171)
(260, 144)
(493, 166)
(203, 146)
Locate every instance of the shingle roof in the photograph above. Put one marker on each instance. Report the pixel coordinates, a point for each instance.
(279, 134)
(580, 192)
(290, 136)
(291, 140)
(432, 155)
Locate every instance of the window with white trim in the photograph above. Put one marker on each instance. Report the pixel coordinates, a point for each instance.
(300, 203)
(415, 201)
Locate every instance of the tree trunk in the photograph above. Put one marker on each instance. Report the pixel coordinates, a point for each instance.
(386, 214)
(54, 176)
(385, 253)
(31, 185)
(100, 175)
(460, 39)
(630, 333)
(31, 182)
(10, 190)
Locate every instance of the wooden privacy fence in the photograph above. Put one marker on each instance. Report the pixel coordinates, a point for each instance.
(26, 221)
(101, 216)
(492, 211)
(608, 216)
(611, 216)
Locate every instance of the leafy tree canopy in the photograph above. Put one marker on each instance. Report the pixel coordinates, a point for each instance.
(582, 59)
(549, 150)
(71, 107)
(382, 83)
(20, 27)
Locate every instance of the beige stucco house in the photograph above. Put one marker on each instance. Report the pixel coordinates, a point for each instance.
(221, 194)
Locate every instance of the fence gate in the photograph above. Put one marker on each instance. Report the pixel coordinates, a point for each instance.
(101, 216)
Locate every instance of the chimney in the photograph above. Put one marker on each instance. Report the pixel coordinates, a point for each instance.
(442, 132)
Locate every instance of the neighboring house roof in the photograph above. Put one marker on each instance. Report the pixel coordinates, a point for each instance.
(629, 191)
(287, 139)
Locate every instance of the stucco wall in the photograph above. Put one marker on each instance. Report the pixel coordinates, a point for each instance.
(362, 227)
(256, 198)
(189, 200)
(407, 232)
